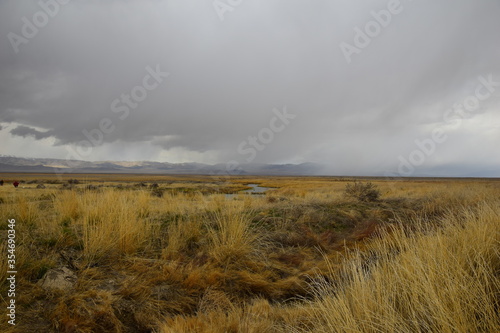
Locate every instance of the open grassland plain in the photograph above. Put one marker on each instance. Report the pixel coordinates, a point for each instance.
(154, 253)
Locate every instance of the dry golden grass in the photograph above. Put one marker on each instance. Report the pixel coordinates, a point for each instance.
(303, 258)
(111, 223)
(420, 279)
(231, 240)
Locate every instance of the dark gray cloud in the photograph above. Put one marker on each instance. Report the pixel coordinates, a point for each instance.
(226, 77)
(25, 131)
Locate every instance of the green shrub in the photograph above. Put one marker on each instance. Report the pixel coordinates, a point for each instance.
(157, 192)
(364, 192)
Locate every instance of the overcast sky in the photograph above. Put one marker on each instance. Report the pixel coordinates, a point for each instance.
(365, 87)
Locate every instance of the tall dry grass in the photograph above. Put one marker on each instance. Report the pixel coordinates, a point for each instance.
(420, 278)
(112, 223)
(230, 236)
(183, 237)
(258, 316)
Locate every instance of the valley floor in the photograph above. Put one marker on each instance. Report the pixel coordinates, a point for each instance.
(145, 253)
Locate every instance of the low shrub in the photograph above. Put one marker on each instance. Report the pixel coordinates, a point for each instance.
(364, 192)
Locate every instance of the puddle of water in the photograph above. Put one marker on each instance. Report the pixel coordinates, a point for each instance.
(256, 189)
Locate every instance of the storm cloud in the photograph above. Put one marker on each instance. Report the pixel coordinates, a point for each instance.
(25, 131)
(86, 74)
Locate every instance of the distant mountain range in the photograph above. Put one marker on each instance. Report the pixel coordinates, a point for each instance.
(50, 165)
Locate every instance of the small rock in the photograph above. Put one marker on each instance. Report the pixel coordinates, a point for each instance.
(59, 278)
